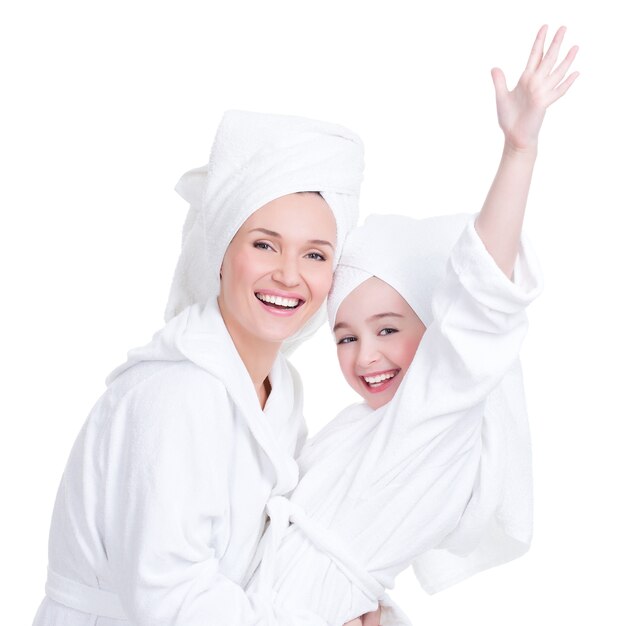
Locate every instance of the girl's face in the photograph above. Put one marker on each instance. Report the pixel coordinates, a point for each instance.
(278, 268)
(377, 335)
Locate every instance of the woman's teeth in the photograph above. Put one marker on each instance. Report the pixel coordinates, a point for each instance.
(373, 380)
(287, 303)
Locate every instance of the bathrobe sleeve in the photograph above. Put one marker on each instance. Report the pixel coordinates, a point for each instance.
(475, 338)
(479, 411)
(166, 504)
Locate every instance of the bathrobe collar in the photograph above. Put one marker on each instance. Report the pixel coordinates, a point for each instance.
(198, 334)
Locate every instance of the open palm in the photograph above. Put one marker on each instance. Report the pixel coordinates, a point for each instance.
(521, 111)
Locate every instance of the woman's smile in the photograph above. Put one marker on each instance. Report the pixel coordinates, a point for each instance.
(279, 303)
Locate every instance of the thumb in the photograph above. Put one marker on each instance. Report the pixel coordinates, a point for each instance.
(499, 81)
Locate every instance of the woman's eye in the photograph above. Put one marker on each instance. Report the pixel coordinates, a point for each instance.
(387, 331)
(262, 245)
(316, 256)
(348, 339)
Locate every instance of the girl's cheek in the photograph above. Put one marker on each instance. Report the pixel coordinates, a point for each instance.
(346, 364)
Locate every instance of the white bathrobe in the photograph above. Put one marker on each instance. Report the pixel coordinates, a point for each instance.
(380, 488)
(162, 501)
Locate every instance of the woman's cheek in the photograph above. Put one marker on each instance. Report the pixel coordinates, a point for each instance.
(323, 282)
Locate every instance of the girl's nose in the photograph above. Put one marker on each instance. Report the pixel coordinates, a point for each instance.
(368, 353)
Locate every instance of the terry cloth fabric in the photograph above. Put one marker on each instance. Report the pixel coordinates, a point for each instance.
(425, 473)
(162, 502)
(257, 158)
(496, 527)
(408, 254)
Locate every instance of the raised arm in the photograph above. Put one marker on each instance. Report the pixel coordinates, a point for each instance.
(520, 115)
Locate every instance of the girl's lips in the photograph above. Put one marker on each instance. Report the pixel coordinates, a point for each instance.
(381, 386)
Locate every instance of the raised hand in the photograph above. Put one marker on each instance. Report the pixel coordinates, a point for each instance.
(521, 111)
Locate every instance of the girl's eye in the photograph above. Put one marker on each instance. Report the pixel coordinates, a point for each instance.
(387, 331)
(316, 256)
(262, 245)
(348, 339)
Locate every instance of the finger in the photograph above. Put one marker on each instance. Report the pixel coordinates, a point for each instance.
(537, 50)
(499, 82)
(548, 61)
(354, 622)
(561, 90)
(372, 618)
(557, 76)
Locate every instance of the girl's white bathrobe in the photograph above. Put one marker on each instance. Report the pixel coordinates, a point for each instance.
(162, 503)
(381, 488)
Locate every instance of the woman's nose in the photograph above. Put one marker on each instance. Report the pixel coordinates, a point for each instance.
(287, 272)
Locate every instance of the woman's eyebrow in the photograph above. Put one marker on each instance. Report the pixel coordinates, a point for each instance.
(273, 233)
(339, 325)
(322, 242)
(265, 231)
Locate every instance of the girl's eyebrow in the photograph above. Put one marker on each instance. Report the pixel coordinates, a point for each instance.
(376, 316)
(273, 233)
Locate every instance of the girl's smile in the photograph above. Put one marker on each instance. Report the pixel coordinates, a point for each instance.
(377, 335)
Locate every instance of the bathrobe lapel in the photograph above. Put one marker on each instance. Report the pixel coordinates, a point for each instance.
(199, 335)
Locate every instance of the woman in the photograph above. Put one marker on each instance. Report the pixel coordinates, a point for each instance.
(162, 502)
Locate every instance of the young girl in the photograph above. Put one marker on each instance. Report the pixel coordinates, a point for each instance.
(162, 502)
(434, 468)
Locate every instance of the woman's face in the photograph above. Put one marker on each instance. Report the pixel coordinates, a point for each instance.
(377, 335)
(278, 268)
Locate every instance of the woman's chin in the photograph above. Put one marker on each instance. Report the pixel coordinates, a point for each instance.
(276, 333)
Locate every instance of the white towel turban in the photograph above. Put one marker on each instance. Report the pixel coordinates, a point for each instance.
(408, 254)
(255, 159)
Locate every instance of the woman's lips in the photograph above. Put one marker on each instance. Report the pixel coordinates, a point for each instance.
(281, 304)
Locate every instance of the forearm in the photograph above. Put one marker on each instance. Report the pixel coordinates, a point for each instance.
(499, 223)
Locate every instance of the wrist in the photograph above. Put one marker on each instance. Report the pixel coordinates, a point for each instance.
(528, 152)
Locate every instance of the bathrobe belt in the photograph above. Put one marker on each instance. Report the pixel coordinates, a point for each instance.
(83, 597)
(281, 511)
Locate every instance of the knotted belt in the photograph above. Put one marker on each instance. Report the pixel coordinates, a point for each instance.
(281, 512)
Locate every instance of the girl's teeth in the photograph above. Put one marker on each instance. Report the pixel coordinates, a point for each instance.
(278, 300)
(378, 379)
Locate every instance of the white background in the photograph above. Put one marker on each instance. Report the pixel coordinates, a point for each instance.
(105, 104)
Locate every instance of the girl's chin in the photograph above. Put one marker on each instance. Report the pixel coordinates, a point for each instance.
(374, 401)
(376, 404)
